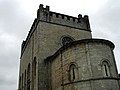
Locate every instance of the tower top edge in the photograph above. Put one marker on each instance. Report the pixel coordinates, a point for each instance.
(45, 15)
(47, 9)
(80, 22)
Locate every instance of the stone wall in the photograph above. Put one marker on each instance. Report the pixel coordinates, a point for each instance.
(44, 39)
(83, 64)
(50, 40)
(87, 57)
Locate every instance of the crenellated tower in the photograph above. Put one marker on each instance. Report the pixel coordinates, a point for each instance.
(44, 14)
(60, 54)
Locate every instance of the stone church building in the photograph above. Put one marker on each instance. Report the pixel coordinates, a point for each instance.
(59, 53)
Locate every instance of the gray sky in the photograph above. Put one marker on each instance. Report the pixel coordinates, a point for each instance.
(16, 18)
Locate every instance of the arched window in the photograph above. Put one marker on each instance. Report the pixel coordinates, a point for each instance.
(106, 68)
(28, 77)
(66, 40)
(34, 73)
(25, 81)
(73, 73)
(22, 81)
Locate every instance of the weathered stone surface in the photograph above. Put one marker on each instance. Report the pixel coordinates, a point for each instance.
(88, 57)
(45, 64)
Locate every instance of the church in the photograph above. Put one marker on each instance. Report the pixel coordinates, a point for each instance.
(59, 53)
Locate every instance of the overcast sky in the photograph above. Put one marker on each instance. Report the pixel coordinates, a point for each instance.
(16, 18)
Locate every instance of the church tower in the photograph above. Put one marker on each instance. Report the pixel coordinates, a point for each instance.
(59, 53)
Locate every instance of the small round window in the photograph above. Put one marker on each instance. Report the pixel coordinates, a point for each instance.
(66, 40)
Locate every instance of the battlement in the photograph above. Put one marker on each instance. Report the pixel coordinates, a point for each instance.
(45, 15)
(81, 22)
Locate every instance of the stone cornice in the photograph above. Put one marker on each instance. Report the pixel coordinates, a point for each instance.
(83, 41)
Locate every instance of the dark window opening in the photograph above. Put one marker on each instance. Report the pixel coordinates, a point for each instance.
(72, 72)
(66, 40)
(34, 74)
(28, 77)
(106, 71)
(106, 68)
